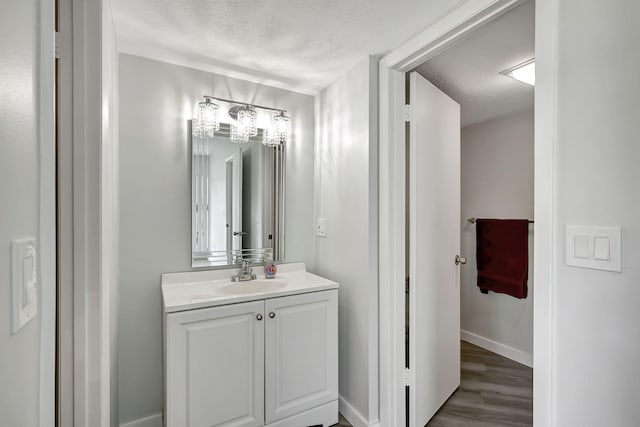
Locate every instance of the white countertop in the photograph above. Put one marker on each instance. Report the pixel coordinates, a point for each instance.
(200, 289)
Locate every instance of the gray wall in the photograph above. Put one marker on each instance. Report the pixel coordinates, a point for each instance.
(497, 182)
(19, 204)
(346, 196)
(156, 100)
(597, 344)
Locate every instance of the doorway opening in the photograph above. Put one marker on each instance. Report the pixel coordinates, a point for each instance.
(471, 362)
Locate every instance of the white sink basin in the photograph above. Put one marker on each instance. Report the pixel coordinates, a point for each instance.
(212, 288)
(252, 287)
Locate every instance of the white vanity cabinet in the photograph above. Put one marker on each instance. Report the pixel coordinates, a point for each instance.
(301, 353)
(272, 361)
(215, 366)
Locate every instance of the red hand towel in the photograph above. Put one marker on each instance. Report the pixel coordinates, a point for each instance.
(502, 255)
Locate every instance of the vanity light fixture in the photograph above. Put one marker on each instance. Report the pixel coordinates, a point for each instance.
(525, 72)
(207, 120)
(244, 122)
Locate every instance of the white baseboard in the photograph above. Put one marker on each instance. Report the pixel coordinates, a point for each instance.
(353, 416)
(150, 421)
(498, 348)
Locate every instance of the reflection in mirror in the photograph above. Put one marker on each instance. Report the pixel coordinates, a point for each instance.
(237, 198)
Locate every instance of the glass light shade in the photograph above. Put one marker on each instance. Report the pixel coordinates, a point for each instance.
(248, 119)
(239, 135)
(207, 120)
(280, 129)
(246, 125)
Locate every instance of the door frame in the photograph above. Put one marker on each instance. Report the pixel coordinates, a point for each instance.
(84, 370)
(46, 88)
(438, 37)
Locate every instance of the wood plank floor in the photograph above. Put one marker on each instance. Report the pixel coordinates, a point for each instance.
(494, 391)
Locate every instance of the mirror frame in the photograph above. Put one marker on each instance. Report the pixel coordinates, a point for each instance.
(225, 258)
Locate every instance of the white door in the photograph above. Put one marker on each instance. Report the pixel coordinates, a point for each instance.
(434, 242)
(215, 367)
(301, 353)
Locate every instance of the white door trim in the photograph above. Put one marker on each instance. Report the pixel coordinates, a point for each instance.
(91, 367)
(47, 211)
(392, 247)
(438, 37)
(65, 223)
(544, 308)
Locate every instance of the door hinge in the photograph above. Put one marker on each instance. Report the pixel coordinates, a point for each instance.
(407, 113)
(58, 43)
(407, 376)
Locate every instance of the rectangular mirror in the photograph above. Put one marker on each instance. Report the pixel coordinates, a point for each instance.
(237, 200)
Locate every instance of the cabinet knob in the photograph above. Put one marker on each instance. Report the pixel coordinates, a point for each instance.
(259, 317)
(272, 315)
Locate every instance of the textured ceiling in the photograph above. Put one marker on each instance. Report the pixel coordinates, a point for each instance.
(469, 72)
(301, 45)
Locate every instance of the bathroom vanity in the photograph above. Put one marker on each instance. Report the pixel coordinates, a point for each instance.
(254, 353)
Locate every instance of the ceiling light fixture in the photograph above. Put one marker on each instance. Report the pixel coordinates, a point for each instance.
(207, 120)
(525, 72)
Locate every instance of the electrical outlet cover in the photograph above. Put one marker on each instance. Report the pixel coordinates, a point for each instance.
(321, 227)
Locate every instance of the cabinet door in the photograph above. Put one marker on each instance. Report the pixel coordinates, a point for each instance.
(215, 366)
(301, 353)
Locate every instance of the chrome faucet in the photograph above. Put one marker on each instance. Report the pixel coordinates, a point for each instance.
(245, 274)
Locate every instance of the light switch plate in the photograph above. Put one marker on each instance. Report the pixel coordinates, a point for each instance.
(321, 227)
(598, 248)
(24, 283)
